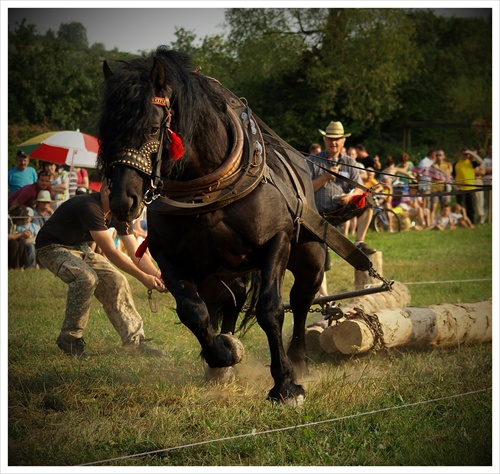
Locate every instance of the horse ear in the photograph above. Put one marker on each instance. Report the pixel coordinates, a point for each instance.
(158, 75)
(106, 69)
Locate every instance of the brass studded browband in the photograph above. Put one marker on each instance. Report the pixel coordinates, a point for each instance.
(139, 159)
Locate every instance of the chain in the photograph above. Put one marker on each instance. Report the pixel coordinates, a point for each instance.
(153, 304)
(374, 274)
(374, 324)
(315, 310)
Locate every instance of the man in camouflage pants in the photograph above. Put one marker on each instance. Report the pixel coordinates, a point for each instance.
(63, 248)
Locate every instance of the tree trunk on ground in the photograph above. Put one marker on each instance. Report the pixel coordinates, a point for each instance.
(439, 325)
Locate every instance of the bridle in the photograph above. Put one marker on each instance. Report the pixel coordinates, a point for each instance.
(148, 158)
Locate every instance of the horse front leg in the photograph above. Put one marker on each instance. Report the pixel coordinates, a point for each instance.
(270, 316)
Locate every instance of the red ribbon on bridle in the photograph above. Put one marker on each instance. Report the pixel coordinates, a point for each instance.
(176, 148)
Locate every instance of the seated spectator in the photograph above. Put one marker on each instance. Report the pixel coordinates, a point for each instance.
(412, 206)
(17, 253)
(59, 181)
(21, 174)
(27, 194)
(42, 211)
(21, 217)
(460, 216)
(444, 220)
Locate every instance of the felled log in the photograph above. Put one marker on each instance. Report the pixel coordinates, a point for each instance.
(317, 342)
(398, 297)
(437, 325)
(313, 333)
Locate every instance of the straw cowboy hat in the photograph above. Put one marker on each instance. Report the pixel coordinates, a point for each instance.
(334, 130)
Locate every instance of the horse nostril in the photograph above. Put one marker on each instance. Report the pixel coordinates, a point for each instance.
(134, 205)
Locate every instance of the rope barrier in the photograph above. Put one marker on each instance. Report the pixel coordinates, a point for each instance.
(444, 281)
(473, 187)
(287, 428)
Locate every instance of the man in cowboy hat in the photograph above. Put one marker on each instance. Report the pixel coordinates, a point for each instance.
(332, 193)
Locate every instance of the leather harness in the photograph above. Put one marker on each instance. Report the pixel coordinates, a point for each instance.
(239, 175)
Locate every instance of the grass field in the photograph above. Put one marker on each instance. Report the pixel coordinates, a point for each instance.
(391, 408)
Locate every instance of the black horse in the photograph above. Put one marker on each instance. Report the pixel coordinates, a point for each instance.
(220, 196)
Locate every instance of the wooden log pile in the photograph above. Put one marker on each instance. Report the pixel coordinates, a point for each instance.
(381, 320)
(399, 296)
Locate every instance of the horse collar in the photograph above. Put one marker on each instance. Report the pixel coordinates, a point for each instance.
(238, 175)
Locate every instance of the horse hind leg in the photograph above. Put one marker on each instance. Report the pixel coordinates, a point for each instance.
(270, 316)
(308, 274)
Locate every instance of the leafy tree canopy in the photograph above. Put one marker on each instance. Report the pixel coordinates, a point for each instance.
(388, 74)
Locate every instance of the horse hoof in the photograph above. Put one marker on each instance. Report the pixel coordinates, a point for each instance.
(220, 375)
(234, 346)
(294, 402)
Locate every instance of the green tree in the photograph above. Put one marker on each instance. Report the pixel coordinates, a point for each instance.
(324, 64)
(74, 33)
(453, 84)
(376, 70)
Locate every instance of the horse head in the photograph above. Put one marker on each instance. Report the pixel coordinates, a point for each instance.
(132, 128)
(146, 128)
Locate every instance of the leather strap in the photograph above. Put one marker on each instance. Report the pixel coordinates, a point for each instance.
(315, 223)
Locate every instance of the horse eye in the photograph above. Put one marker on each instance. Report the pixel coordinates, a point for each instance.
(154, 131)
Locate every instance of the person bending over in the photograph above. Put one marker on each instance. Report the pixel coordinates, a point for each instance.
(62, 246)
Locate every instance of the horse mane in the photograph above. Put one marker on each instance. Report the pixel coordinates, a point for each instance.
(197, 108)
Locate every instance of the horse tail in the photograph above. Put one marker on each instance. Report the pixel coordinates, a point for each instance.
(252, 297)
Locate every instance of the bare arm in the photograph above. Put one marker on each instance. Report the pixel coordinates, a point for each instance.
(85, 181)
(62, 188)
(145, 263)
(320, 181)
(105, 242)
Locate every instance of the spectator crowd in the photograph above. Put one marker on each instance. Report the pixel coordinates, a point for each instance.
(431, 193)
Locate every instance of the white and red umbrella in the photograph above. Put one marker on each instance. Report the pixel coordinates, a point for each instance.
(70, 147)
